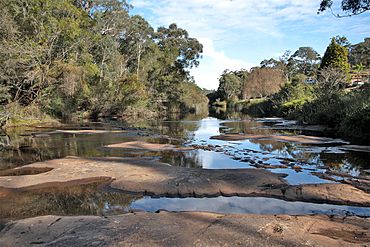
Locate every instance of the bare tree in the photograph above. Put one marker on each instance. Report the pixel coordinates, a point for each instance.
(263, 82)
(331, 81)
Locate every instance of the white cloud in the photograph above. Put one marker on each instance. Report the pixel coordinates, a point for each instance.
(221, 22)
(216, 17)
(230, 25)
(215, 62)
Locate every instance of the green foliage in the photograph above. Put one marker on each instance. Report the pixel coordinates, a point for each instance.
(230, 85)
(192, 99)
(291, 98)
(336, 56)
(347, 112)
(360, 54)
(90, 56)
(31, 115)
(305, 60)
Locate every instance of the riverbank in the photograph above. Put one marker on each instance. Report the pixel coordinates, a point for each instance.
(346, 113)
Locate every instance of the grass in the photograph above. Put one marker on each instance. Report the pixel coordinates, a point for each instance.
(31, 115)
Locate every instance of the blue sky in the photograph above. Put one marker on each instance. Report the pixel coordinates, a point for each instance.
(239, 34)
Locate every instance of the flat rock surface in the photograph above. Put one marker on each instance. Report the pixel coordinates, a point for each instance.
(187, 229)
(154, 178)
(301, 139)
(140, 145)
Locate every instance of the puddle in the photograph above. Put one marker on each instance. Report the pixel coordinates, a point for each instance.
(202, 159)
(245, 205)
(97, 199)
(90, 199)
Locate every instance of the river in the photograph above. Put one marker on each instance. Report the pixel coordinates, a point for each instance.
(302, 164)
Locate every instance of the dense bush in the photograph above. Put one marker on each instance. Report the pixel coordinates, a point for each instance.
(291, 98)
(348, 112)
(73, 59)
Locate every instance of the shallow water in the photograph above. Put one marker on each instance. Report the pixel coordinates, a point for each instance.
(245, 205)
(96, 199)
(298, 161)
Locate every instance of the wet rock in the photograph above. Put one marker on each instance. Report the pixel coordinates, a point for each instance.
(324, 176)
(187, 229)
(154, 178)
(140, 145)
(300, 139)
(297, 168)
(335, 193)
(359, 183)
(267, 166)
(24, 171)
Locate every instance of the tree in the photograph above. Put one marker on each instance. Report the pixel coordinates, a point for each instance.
(350, 7)
(331, 81)
(336, 56)
(306, 60)
(360, 53)
(176, 53)
(262, 82)
(342, 40)
(135, 40)
(92, 56)
(285, 64)
(229, 85)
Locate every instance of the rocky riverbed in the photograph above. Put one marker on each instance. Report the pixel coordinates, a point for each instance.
(183, 166)
(187, 229)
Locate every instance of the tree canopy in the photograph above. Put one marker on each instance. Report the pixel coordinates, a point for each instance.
(336, 56)
(350, 7)
(93, 56)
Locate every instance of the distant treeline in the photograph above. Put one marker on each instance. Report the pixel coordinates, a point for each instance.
(306, 87)
(91, 58)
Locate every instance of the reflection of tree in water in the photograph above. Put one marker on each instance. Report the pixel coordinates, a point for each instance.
(287, 149)
(182, 159)
(71, 200)
(346, 162)
(23, 149)
(248, 127)
(177, 129)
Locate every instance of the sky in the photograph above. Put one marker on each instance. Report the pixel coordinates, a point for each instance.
(239, 34)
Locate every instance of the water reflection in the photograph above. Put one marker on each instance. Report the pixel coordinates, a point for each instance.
(26, 146)
(88, 199)
(95, 199)
(245, 205)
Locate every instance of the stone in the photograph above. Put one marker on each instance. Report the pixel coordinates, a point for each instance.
(187, 229)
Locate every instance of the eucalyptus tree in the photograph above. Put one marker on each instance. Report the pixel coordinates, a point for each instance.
(360, 53)
(306, 61)
(135, 40)
(178, 53)
(230, 85)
